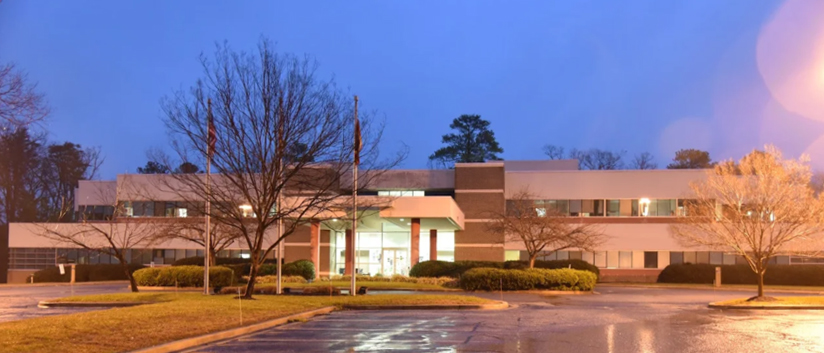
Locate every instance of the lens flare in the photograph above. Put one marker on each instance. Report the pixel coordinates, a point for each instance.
(790, 57)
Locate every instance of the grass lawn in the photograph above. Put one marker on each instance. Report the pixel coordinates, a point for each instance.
(723, 286)
(781, 301)
(172, 316)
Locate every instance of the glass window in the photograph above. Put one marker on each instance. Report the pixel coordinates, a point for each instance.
(702, 257)
(512, 255)
(650, 259)
(625, 259)
(182, 212)
(574, 207)
(716, 258)
(634, 211)
(599, 259)
(666, 208)
(676, 257)
(729, 259)
(562, 255)
(612, 259)
(689, 257)
(575, 255)
(598, 208)
(613, 208)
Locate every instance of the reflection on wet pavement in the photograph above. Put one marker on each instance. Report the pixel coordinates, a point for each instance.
(619, 320)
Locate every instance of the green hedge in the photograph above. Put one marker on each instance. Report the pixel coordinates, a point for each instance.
(493, 279)
(779, 275)
(183, 276)
(85, 273)
(303, 268)
(458, 268)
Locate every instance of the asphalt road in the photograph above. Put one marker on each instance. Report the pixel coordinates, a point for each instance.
(20, 302)
(616, 320)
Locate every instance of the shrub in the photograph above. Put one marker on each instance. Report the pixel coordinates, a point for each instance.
(274, 279)
(458, 268)
(786, 275)
(303, 268)
(492, 279)
(183, 276)
(85, 273)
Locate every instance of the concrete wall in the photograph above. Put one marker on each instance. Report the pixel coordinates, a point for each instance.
(604, 184)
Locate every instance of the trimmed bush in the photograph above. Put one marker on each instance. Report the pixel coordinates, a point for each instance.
(778, 275)
(274, 279)
(85, 273)
(303, 268)
(183, 276)
(492, 279)
(458, 268)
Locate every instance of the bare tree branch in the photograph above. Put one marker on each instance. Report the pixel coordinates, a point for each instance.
(760, 208)
(542, 229)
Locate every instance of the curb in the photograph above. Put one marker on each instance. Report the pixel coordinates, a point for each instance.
(46, 304)
(376, 289)
(171, 289)
(725, 289)
(766, 307)
(495, 306)
(60, 284)
(231, 333)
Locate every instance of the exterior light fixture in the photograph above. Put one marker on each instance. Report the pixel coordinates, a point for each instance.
(409, 224)
(644, 203)
(401, 219)
(245, 207)
(334, 219)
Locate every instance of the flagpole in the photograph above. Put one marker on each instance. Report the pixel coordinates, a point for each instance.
(208, 256)
(355, 161)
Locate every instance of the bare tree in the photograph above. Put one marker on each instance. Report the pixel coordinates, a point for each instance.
(644, 160)
(193, 230)
(114, 237)
(20, 103)
(542, 228)
(554, 152)
(597, 159)
(264, 104)
(760, 208)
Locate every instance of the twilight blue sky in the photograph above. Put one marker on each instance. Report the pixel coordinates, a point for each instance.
(639, 75)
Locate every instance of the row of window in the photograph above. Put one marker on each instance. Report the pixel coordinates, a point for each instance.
(625, 259)
(612, 208)
(40, 258)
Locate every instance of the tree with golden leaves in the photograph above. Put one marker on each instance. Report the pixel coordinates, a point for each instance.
(759, 208)
(543, 229)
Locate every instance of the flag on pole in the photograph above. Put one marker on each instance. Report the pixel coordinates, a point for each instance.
(358, 144)
(212, 134)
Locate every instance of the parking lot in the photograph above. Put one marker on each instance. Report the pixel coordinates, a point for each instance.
(20, 302)
(617, 320)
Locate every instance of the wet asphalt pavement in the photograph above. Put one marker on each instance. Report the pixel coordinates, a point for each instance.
(616, 320)
(19, 302)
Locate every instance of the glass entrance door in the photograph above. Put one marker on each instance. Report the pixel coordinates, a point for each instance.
(395, 261)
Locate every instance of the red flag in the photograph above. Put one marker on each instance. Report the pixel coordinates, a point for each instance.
(212, 134)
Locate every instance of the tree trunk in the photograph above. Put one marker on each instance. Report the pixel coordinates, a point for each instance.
(761, 283)
(212, 259)
(250, 287)
(532, 260)
(132, 282)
